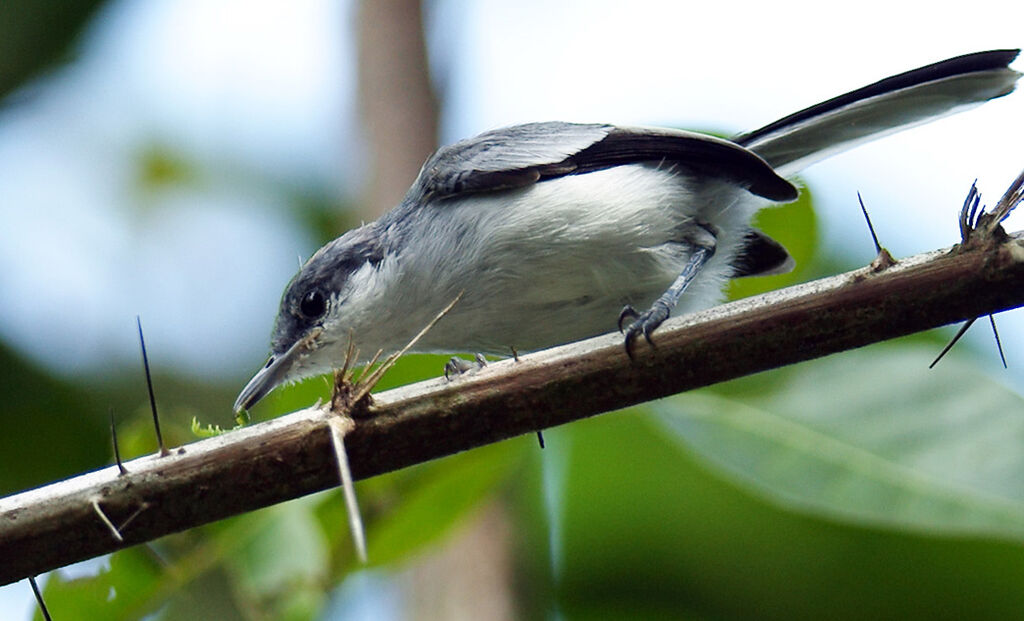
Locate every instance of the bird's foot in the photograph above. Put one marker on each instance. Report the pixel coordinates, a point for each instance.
(644, 323)
(457, 366)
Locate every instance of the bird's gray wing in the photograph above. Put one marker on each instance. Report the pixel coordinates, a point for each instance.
(521, 155)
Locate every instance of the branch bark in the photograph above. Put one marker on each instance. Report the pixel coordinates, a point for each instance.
(291, 456)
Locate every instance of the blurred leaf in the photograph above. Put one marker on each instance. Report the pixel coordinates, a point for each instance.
(283, 569)
(407, 510)
(51, 429)
(436, 497)
(872, 435)
(275, 559)
(35, 34)
(795, 226)
(160, 167)
(640, 525)
(124, 590)
(212, 597)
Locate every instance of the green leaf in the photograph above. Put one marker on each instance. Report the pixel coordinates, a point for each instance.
(283, 567)
(52, 429)
(640, 523)
(417, 506)
(37, 34)
(872, 436)
(123, 590)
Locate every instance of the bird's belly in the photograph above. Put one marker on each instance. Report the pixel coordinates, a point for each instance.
(560, 259)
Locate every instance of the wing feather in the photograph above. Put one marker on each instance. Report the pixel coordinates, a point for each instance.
(522, 155)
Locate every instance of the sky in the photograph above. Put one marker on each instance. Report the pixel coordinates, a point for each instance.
(262, 94)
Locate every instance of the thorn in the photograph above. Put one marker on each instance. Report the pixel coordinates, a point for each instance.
(340, 426)
(882, 258)
(1013, 196)
(871, 228)
(540, 438)
(39, 598)
(145, 505)
(369, 365)
(117, 452)
(350, 353)
(149, 386)
(999, 344)
(956, 337)
(366, 384)
(106, 521)
(515, 354)
(969, 211)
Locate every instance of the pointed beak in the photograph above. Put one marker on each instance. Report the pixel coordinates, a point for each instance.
(277, 370)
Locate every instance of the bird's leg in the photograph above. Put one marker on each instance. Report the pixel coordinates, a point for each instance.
(647, 322)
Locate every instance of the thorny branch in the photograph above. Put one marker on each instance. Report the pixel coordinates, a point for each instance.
(291, 456)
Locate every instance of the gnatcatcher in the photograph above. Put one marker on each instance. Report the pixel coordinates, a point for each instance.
(554, 230)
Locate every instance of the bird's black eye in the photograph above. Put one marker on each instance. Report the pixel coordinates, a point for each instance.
(313, 304)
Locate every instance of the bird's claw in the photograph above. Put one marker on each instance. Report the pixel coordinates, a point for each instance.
(627, 312)
(457, 366)
(643, 323)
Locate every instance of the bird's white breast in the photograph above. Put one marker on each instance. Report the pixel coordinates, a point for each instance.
(556, 261)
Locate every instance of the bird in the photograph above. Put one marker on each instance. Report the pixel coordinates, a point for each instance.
(552, 232)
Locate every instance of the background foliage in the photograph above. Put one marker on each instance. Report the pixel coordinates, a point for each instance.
(859, 486)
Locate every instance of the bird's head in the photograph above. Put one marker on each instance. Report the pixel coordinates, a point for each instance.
(319, 307)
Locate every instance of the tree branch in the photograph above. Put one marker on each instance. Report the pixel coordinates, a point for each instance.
(291, 456)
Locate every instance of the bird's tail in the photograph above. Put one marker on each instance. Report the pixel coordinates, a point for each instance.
(887, 106)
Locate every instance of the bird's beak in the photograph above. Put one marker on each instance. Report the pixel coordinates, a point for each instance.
(276, 371)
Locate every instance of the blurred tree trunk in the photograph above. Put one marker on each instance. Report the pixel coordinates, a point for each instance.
(398, 106)
(469, 577)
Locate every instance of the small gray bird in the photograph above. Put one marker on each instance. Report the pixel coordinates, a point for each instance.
(555, 230)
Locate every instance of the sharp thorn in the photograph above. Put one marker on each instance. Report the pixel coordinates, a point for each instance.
(968, 212)
(339, 427)
(999, 343)
(871, 228)
(39, 598)
(117, 451)
(106, 521)
(149, 386)
(963, 329)
(1013, 196)
(540, 438)
(142, 507)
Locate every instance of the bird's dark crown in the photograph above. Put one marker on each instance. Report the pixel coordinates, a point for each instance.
(321, 282)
